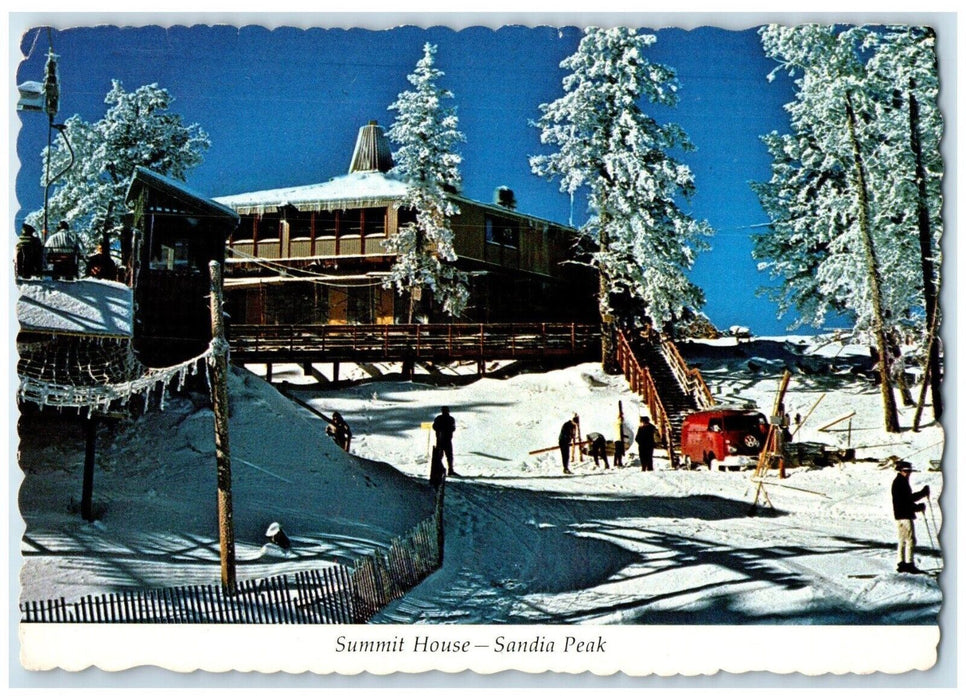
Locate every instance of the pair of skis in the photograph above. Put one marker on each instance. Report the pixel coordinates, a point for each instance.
(922, 572)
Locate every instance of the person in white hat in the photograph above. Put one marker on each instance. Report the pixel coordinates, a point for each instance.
(904, 507)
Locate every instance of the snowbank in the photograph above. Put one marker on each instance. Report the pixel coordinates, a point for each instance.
(524, 543)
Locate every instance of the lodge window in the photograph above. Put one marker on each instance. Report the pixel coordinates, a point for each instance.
(364, 221)
(266, 227)
(407, 215)
(299, 224)
(171, 257)
(325, 223)
(173, 249)
(505, 232)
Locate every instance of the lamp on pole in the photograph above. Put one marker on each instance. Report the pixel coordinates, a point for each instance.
(45, 97)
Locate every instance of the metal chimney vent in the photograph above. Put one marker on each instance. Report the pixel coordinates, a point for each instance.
(372, 152)
(504, 197)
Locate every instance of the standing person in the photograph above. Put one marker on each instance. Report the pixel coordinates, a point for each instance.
(598, 448)
(101, 266)
(646, 438)
(340, 431)
(565, 440)
(30, 253)
(904, 508)
(62, 252)
(444, 426)
(619, 451)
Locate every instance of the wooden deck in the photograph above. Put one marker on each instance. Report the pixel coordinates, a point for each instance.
(413, 342)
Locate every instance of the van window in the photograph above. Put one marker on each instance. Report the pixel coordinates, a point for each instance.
(742, 423)
(714, 425)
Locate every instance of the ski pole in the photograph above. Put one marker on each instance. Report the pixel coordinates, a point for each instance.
(932, 545)
(932, 515)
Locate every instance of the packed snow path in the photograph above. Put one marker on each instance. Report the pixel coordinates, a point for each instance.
(519, 556)
(524, 543)
(527, 544)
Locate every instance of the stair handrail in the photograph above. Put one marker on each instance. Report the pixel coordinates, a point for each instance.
(689, 377)
(643, 384)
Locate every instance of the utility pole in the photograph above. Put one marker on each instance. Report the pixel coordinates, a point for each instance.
(219, 400)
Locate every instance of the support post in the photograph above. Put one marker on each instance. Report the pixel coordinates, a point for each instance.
(438, 515)
(87, 489)
(219, 400)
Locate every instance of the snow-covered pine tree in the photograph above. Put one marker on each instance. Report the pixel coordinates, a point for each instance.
(137, 129)
(905, 63)
(427, 133)
(643, 242)
(843, 195)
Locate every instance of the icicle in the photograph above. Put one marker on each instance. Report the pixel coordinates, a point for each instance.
(208, 374)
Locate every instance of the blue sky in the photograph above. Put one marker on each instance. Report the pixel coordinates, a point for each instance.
(282, 107)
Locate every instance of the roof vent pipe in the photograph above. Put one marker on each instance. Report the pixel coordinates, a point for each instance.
(372, 152)
(504, 197)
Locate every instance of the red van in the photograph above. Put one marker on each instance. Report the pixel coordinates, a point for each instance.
(723, 438)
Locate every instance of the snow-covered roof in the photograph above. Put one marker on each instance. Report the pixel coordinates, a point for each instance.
(357, 190)
(80, 307)
(177, 189)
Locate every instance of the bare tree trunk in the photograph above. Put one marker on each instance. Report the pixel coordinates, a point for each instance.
(930, 292)
(608, 348)
(872, 269)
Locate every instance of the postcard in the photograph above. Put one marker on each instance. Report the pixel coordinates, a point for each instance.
(574, 347)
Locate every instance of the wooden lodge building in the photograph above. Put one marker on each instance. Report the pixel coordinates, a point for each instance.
(173, 236)
(314, 253)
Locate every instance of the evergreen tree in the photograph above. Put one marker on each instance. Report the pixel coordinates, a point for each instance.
(137, 129)
(843, 195)
(427, 133)
(643, 243)
(905, 63)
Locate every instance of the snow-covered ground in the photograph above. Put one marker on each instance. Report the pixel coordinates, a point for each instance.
(524, 542)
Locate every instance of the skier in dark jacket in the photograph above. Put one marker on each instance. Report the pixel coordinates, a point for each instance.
(340, 431)
(904, 508)
(564, 441)
(598, 448)
(646, 438)
(30, 253)
(444, 425)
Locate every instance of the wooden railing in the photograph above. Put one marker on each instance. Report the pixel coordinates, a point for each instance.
(689, 377)
(416, 342)
(642, 383)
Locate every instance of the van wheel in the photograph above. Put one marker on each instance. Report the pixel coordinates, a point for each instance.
(687, 463)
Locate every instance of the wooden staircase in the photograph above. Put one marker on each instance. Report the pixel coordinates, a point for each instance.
(671, 389)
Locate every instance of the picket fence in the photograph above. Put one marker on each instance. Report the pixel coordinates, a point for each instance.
(337, 594)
